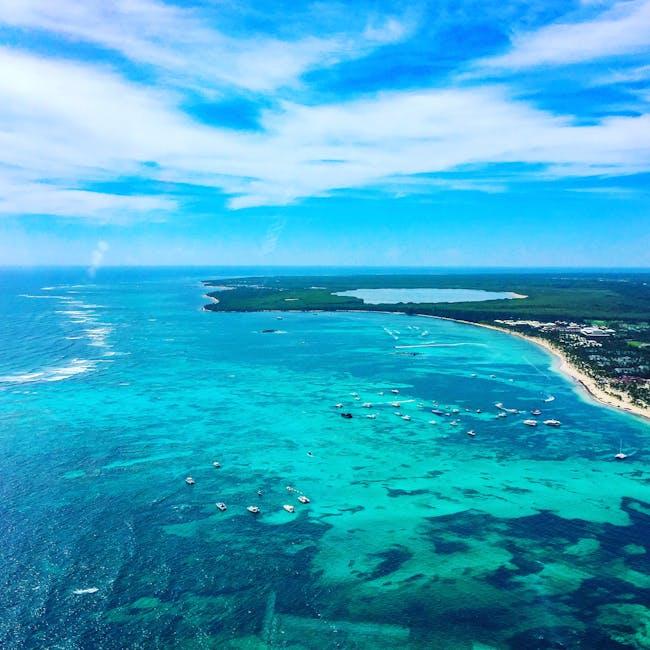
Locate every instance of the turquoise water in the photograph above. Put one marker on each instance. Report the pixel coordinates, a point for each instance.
(115, 388)
(395, 296)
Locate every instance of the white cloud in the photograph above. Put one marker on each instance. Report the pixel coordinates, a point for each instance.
(183, 45)
(97, 257)
(621, 29)
(63, 125)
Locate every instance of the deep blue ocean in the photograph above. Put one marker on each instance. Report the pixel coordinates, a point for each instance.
(114, 388)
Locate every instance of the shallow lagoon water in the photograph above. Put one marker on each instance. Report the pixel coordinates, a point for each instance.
(426, 295)
(114, 389)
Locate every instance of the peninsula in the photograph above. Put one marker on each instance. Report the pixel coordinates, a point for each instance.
(596, 324)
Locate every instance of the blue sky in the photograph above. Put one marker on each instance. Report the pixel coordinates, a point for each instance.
(450, 132)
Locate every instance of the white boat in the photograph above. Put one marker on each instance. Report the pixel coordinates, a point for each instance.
(338, 406)
(620, 455)
(310, 454)
(471, 433)
(291, 489)
(253, 510)
(406, 417)
(455, 411)
(550, 398)
(478, 410)
(395, 405)
(216, 464)
(190, 481)
(530, 423)
(222, 506)
(433, 421)
(552, 423)
(354, 394)
(289, 508)
(502, 414)
(535, 412)
(394, 391)
(89, 590)
(367, 405)
(303, 499)
(371, 416)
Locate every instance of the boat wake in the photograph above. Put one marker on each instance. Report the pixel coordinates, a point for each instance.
(439, 345)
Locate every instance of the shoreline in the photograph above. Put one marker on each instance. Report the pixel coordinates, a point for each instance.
(582, 381)
(563, 365)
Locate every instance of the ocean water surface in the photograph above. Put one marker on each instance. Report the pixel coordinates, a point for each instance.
(115, 388)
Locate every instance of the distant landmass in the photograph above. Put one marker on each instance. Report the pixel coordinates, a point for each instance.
(598, 324)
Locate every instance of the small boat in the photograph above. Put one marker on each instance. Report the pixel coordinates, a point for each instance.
(395, 405)
(371, 416)
(550, 398)
(303, 499)
(535, 412)
(552, 423)
(289, 508)
(190, 481)
(471, 433)
(493, 376)
(406, 417)
(433, 421)
(473, 374)
(260, 493)
(478, 411)
(253, 510)
(620, 455)
(310, 454)
(354, 394)
(395, 391)
(347, 416)
(437, 412)
(291, 489)
(530, 423)
(454, 423)
(338, 406)
(455, 411)
(367, 405)
(502, 414)
(216, 464)
(222, 506)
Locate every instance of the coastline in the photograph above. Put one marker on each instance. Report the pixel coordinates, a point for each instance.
(582, 381)
(563, 365)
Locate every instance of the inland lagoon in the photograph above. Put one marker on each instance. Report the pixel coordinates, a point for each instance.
(116, 388)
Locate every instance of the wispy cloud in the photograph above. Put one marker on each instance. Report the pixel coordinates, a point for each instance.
(97, 257)
(183, 46)
(620, 29)
(66, 124)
